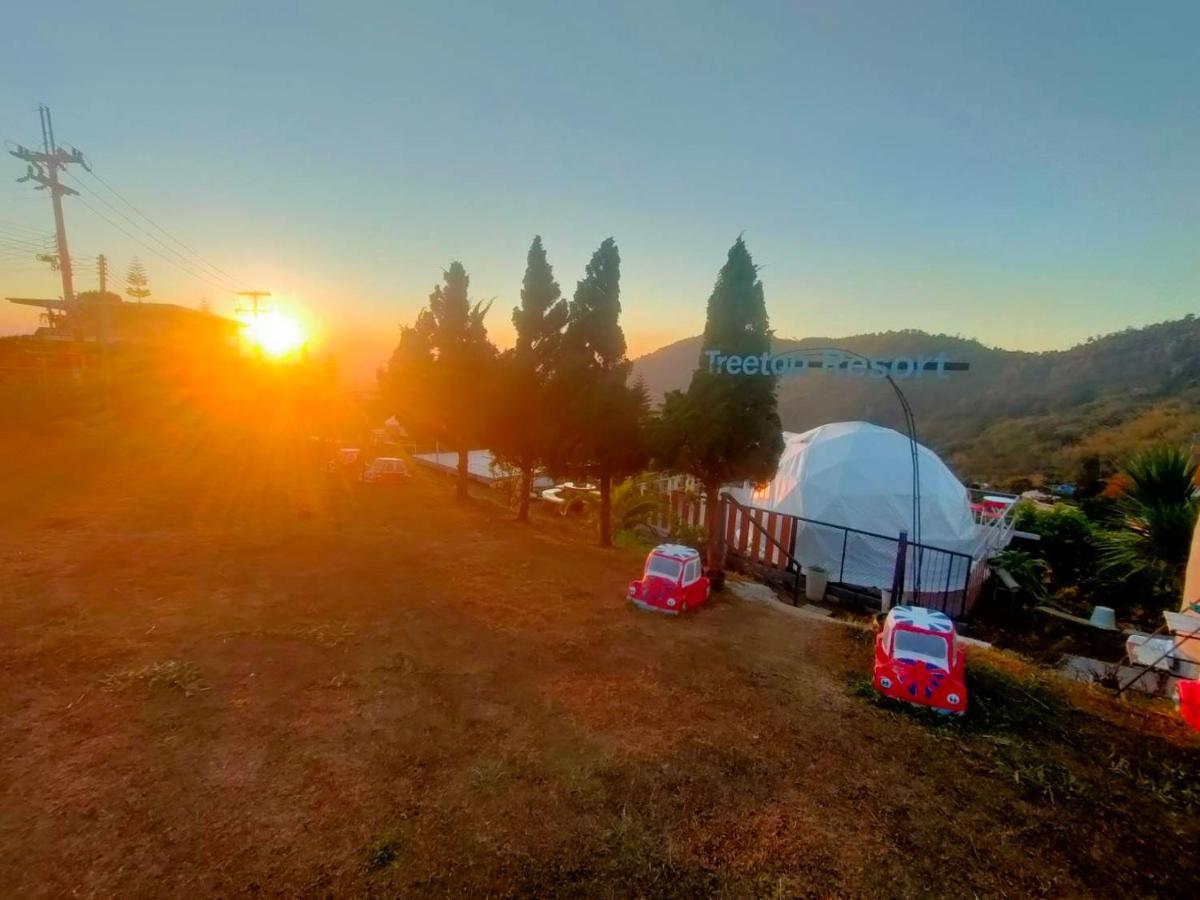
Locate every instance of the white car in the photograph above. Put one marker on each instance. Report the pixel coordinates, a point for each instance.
(386, 470)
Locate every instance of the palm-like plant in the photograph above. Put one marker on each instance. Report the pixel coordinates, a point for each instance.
(1027, 570)
(1157, 514)
(635, 501)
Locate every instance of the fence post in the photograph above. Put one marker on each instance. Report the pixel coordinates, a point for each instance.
(966, 600)
(729, 523)
(946, 592)
(842, 570)
(898, 575)
(722, 541)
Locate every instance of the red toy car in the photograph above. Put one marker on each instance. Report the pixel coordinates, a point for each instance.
(918, 659)
(672, 582)
(1187, 701)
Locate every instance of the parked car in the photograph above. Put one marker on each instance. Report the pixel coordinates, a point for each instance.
(672, 581)
(918, 659)
(345, 459)
(569, 497)
(386, 470)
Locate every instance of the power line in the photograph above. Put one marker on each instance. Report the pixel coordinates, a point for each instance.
(17, 238)
(140, 242)
(200, 273)
(213, 266)
(17, 226)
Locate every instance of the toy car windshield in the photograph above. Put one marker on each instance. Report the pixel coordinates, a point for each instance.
(667, 568)
(916, 647)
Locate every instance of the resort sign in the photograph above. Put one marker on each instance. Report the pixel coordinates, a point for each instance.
(832, 361)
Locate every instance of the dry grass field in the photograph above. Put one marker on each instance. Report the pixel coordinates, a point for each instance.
(225, 675)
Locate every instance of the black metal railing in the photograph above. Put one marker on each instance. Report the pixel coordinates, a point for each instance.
(855, 558)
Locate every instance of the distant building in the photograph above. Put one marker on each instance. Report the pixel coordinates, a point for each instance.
(95, 318)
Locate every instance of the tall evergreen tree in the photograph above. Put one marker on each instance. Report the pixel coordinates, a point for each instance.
(605, 424)
(137, 281)
(522, 428)
(726, 427)
(439, 374)
(406, 384)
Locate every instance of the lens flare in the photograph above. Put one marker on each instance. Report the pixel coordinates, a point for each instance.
(276, 334)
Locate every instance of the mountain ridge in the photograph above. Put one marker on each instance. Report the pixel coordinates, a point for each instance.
(1014, 413)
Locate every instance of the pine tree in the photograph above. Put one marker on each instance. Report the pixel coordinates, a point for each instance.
(726, 427)
(605, 419)
(438, 379)
(522, 428)
(138, 284)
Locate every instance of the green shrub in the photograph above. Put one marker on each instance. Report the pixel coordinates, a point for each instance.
(1068, 540)
(689, 536)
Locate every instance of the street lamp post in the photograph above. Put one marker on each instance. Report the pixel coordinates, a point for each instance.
(911, 427)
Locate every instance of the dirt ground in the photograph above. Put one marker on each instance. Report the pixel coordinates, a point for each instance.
(226, 675)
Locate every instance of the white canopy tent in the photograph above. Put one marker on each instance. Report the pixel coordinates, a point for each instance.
(858, 475)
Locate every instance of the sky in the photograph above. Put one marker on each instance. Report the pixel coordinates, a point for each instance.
(1027, 174)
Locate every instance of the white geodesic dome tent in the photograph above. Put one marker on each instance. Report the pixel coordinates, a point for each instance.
(859, 476)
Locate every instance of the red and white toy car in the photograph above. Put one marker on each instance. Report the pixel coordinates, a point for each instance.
(918, 659)
(672, 582)
(1187, 701)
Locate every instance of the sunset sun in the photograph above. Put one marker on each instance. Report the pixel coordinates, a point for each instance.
(276, 334)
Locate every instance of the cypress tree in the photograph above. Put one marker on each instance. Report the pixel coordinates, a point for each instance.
(523, 428)
(441, 368)
(726, 427)
(605, 418)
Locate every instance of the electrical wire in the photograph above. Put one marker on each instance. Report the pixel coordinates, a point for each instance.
(19, 227)
(23, 242)
(181, 266)
(176, 257)
(195, 264)
(222, 273)
(187, 247)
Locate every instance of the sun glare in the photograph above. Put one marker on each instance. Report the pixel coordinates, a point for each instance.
(276, 334)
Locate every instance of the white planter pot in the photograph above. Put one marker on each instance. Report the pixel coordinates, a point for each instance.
(816, 580)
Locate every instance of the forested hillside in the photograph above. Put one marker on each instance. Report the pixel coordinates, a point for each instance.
(1013, 414)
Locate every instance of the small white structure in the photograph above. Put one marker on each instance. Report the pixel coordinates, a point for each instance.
(481, 467)
(859, 476)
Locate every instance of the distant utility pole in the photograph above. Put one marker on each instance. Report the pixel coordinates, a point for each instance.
(254, 296)
(43, 168)
(102, 270)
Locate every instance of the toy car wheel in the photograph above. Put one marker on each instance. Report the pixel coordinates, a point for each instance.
(952, 699)
(885, 682)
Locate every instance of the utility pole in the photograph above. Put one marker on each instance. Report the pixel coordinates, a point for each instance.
(255, 310)
(254, 296)
(102, 271)
(43, 168)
